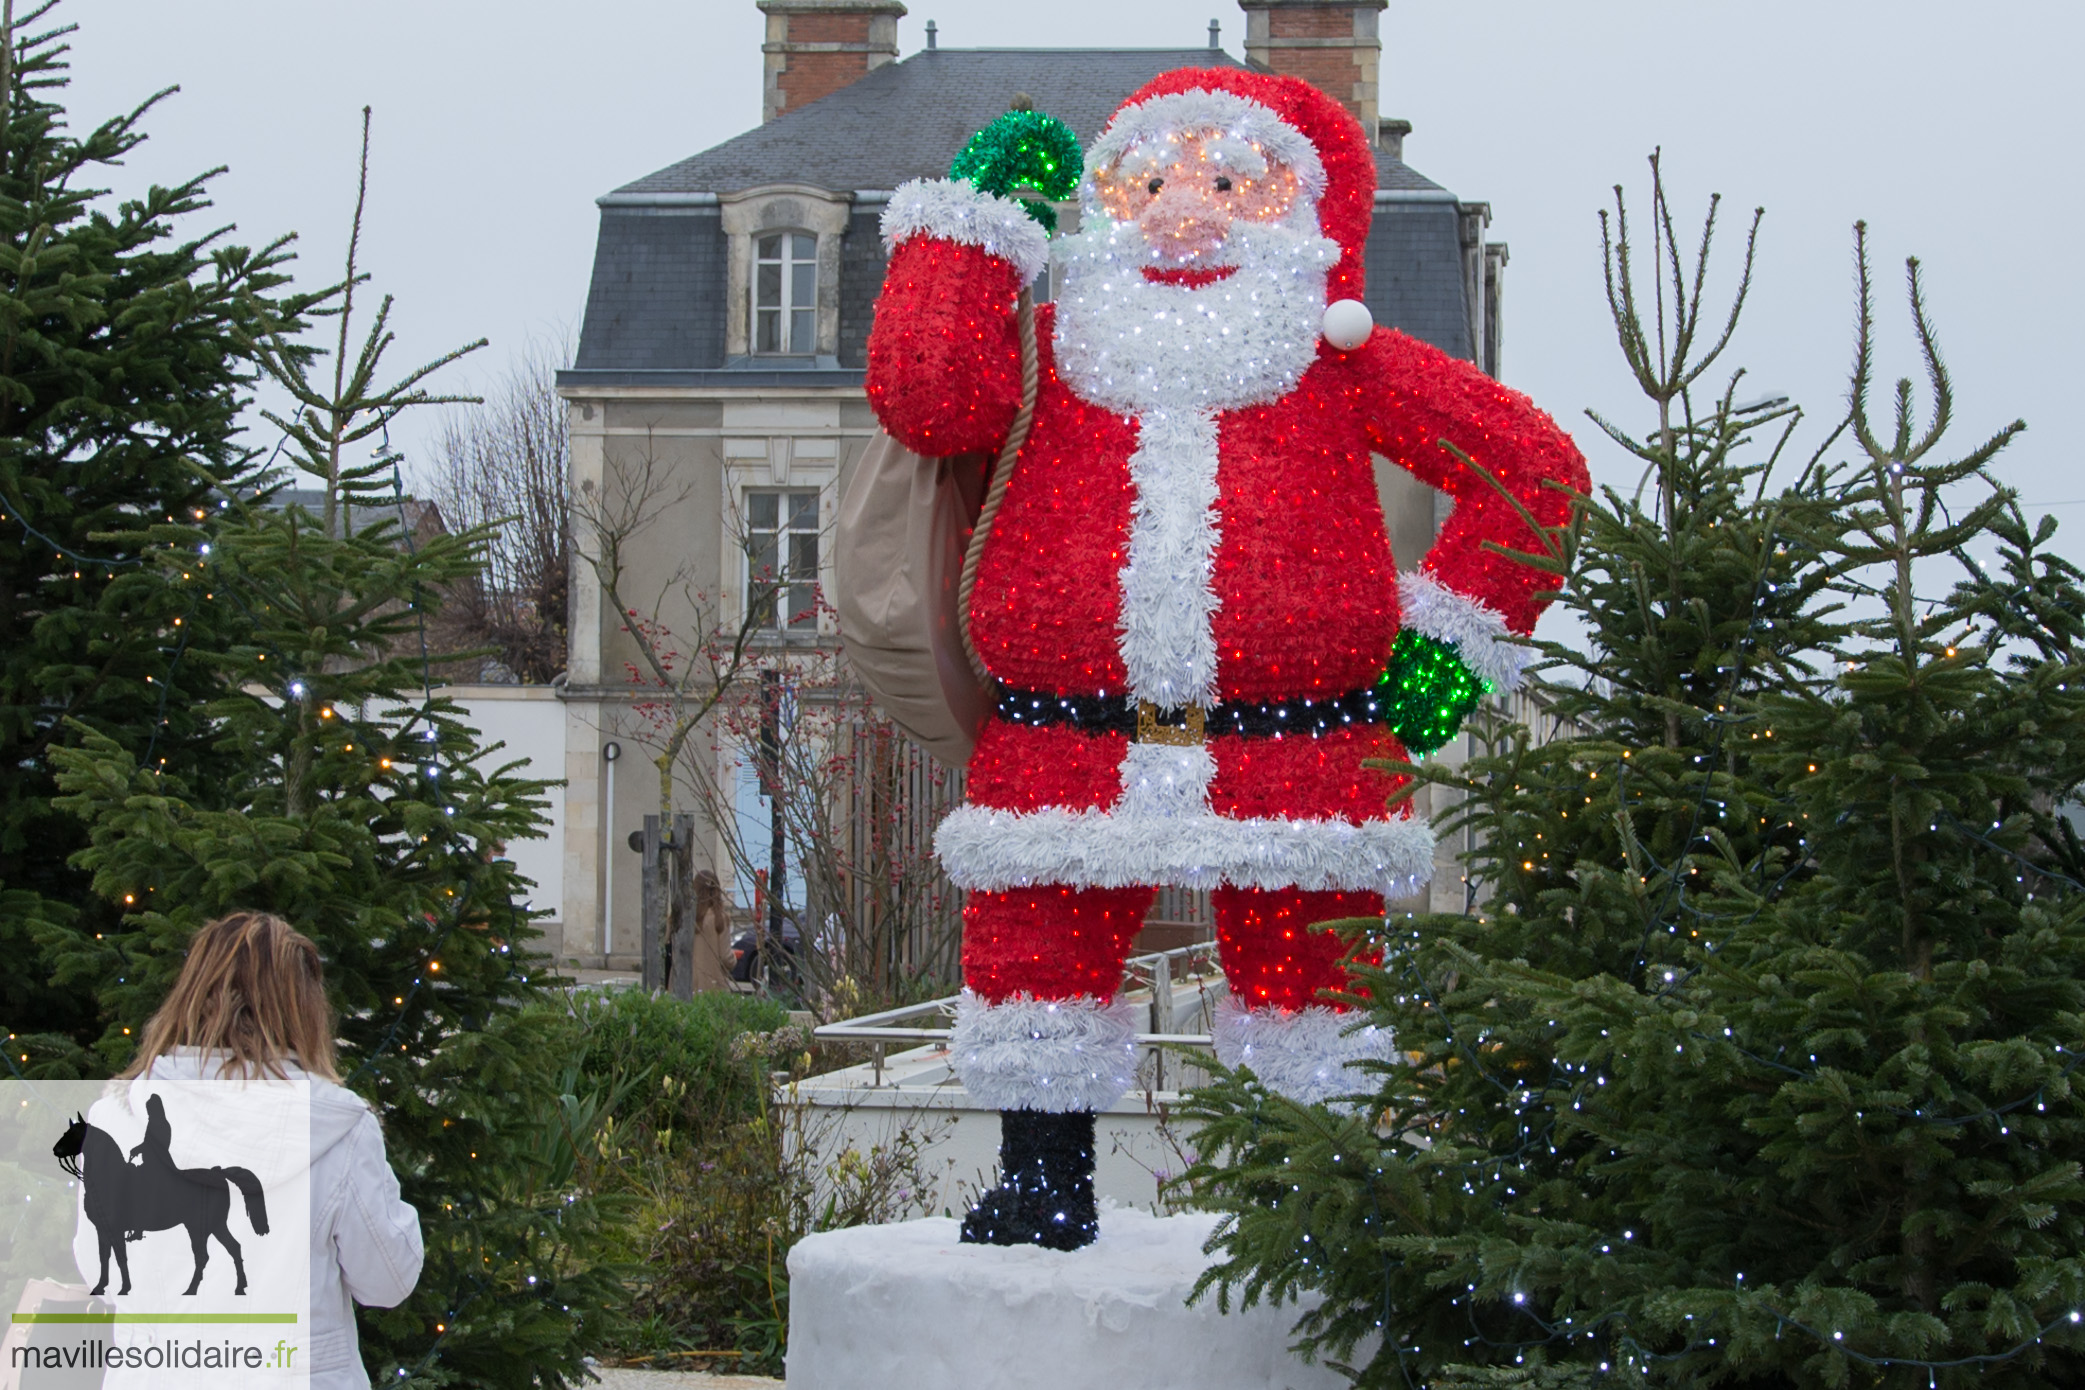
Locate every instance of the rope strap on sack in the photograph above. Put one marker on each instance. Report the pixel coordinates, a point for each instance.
(1002, 471)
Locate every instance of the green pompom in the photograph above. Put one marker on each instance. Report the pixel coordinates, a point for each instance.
(1024, 151)
(1427, 691)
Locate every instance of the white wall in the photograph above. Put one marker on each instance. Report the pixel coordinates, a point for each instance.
(530, 720)
(1136, 1141)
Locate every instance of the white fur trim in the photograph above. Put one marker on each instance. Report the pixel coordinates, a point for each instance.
(1162, 781)
(1199, 111)
(956, 211)
(991, 851)
(1044, 1054)
(1476, 631)
(1134, 346)
(1303, 1054)
(1167, 640)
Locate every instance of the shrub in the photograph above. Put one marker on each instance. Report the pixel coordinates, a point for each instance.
(676, 1056)
(1751, 1061)
(723, 1189)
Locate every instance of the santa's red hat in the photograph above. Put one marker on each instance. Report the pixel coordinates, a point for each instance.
(1291, 121)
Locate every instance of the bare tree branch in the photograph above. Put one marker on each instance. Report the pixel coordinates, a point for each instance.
(720, 690)
(501, 463)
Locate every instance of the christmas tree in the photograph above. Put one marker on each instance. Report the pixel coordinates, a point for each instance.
(352, 799)
(1750, 1061)
(123, 370)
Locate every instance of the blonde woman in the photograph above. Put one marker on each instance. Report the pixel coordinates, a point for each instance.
(713, 959)
(251, 1005)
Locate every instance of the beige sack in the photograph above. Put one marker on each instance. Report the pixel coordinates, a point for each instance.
(903, 525)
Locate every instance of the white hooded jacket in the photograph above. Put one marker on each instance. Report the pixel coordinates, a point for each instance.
(365, 1240)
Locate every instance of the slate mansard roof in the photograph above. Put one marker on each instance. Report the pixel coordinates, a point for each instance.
(907, 120)
(655, 309)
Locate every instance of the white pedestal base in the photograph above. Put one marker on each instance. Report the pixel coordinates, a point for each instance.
(908, 1306)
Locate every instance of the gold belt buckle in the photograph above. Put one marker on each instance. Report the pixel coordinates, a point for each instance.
(1186, 735)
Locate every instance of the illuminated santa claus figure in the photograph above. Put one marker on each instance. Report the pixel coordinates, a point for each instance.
(1188, 599)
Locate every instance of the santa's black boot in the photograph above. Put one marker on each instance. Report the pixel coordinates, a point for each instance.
(1045, 1192)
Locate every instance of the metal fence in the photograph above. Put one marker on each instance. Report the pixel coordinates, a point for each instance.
(1172, 995)
(906, 916)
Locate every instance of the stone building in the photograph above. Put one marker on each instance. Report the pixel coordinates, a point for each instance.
(723, 340)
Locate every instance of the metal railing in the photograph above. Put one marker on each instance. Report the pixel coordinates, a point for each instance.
(1160, 973)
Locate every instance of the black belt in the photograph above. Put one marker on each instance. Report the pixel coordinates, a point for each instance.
(1145, 722)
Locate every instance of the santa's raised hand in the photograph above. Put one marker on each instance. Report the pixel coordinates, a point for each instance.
(1188, 598)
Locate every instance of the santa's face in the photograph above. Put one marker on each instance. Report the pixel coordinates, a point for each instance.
(1196, 281)
(1184, 195)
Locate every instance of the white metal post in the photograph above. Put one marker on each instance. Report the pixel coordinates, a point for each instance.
(610, 751)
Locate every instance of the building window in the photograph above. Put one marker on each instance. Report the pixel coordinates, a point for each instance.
(782, 561)
(785, 293)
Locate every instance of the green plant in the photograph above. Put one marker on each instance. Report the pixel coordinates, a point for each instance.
(126, 360)
(677, 1055)
(349, 797)
(720, 1206)
(522, 1279)
(1517, 1378)
(1751, 1061)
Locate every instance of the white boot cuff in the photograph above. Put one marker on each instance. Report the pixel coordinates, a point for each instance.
(1044, 1054)
(1300, 1053)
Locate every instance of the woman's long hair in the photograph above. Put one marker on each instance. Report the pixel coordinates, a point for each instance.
(252, 991)
(709, 897)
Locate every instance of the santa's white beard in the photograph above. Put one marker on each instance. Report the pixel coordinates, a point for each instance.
(1126, 343)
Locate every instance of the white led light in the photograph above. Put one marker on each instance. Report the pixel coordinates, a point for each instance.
(1272, 303)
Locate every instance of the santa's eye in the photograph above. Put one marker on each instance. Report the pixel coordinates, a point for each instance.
(1155, 185)
(1223, 185)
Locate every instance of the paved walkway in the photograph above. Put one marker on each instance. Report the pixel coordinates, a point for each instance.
(615, 1378)
(598, 979)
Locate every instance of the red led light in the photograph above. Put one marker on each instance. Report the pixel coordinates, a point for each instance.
(1050, 943)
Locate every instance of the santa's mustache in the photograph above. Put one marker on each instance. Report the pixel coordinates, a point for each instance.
(1108, 245)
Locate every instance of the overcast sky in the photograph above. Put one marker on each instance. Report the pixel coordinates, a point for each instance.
(1949, 128)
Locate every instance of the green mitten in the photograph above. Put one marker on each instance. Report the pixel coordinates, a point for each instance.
(1020, 152)
(1426, 691)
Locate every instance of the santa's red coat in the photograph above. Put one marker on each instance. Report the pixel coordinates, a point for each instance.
(1306, 586)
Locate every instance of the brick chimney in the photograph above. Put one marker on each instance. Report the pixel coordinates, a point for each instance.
(816, 47)
(1331, 44)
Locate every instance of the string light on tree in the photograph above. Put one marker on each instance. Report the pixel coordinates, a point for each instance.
(1710, 986)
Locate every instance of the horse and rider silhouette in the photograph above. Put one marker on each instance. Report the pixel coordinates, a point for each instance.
(125, 1200)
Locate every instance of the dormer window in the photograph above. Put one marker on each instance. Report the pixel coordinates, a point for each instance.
(782, 275)
(785, 293)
